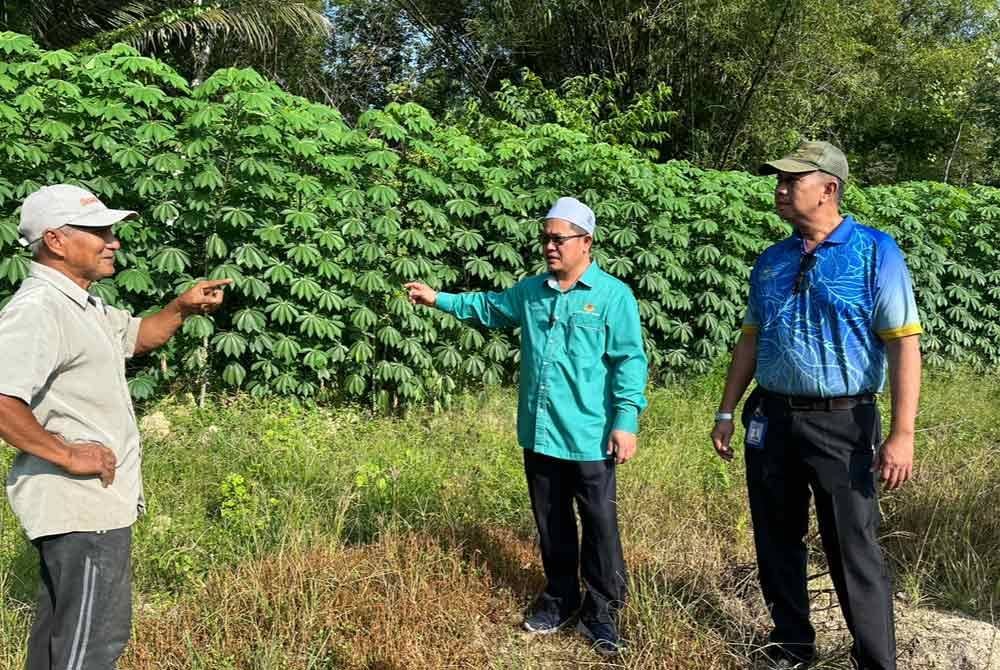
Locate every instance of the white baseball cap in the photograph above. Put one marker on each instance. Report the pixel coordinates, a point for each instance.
(52, 207)
(574, 211)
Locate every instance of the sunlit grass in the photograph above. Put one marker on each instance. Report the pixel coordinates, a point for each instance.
(284, 536)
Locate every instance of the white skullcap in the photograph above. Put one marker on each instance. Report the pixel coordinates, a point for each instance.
(574, 211)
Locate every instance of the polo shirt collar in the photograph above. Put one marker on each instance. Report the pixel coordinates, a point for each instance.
(842, 233)
(67, 286)
(588, 278)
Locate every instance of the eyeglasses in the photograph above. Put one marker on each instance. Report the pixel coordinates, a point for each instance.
(806, 264)
(790, 179)
(557, 240)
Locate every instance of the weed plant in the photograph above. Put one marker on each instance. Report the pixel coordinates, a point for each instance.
(286, 535)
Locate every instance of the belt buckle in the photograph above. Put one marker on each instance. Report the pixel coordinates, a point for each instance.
(798, 403)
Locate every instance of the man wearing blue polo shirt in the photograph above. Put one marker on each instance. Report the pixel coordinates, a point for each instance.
(582, 379)
(828, 307)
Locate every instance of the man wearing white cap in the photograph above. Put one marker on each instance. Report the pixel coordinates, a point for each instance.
(582, 379)
(76, 485)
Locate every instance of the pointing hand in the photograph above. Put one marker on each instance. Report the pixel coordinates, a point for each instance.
(203, 298)
(421, 294)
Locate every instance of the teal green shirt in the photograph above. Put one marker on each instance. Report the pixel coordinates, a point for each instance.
(583, 367)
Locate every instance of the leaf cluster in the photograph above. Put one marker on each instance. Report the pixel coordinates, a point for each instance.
(320, 222)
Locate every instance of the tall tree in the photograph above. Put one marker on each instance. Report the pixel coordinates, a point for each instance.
(894, 81)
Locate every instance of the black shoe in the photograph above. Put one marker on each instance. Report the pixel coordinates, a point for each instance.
(604, 638)
(777, 659)
(788, 664)
(546, 617)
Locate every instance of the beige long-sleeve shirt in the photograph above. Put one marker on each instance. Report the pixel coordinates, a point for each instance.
(63, 352)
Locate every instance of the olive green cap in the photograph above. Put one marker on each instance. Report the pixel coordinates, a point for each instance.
(809, 157)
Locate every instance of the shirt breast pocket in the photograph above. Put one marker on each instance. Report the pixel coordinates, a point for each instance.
(586, 338)
(539, 315)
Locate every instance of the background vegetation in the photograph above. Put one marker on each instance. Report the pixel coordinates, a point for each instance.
(384, 141)
(320, 221)
(908, 87)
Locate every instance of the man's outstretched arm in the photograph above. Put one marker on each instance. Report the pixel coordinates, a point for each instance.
(203, 298)
(493, 310)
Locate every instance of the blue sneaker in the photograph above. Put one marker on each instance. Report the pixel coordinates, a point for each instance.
(546, 618)
(603, 637)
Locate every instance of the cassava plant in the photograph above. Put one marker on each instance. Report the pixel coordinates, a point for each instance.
(319, 223)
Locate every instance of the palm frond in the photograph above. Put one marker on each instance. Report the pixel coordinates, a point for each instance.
(63, 22)
(253, 23)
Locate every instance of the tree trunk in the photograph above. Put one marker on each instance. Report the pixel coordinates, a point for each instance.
(761, 72)
(954, 148)
(201, 52)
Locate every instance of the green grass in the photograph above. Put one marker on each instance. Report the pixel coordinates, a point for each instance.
(285, 536)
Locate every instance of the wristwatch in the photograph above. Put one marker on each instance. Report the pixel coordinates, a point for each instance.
(723, 416)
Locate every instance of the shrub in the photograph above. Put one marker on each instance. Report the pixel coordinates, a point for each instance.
(319, 223)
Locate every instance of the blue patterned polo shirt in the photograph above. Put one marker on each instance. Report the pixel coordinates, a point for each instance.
(824, 335)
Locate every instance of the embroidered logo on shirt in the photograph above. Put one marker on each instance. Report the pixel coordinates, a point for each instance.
(589, 307)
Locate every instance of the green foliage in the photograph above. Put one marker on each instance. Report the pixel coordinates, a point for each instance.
(909, 88)
(588, 104)
(320, 223)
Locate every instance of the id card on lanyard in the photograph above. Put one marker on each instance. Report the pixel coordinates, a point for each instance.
(756, 430)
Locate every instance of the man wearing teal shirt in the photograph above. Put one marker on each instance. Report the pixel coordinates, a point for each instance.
(582, 378)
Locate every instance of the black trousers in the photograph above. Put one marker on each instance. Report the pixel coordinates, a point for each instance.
(828, 453)
(554, 485)
(84, 615)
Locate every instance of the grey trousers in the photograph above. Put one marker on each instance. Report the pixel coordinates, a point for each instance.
(84, 613)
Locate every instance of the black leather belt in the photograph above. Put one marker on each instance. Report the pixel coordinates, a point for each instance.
(806, 403)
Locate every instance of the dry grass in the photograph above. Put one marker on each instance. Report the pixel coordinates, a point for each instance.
(943, 531)
(407, 543)
(404, 601)
(412, 600)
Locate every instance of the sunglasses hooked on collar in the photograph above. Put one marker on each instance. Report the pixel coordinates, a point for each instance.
(806, 263)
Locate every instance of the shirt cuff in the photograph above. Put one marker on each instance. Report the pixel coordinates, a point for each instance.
(626, 419)
(445, 302)
(15, 392)
(902, 331)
